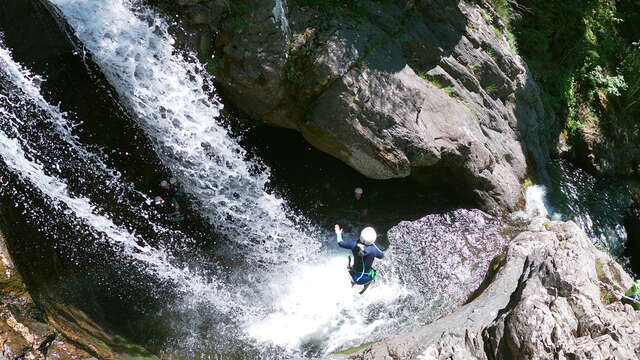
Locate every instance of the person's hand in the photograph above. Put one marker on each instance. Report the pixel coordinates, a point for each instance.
(337, 229)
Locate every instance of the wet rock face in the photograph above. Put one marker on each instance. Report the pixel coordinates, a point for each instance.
(556, 296)
(24, 333)
(448, 254)
(394, 89)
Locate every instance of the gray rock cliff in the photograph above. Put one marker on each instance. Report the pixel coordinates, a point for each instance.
(394, 89)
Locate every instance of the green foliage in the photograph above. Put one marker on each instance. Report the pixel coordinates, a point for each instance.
(449, 90)
(437, 82)
(485, 15)
(357, 348)
(608, 298)
(611, 84)
(504, 8)
(581, 52)
(474, 67)
(432, 79)
(492, 53)
(491, 90)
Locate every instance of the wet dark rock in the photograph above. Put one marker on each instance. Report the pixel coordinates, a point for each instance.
(556, 296)
(23, 331)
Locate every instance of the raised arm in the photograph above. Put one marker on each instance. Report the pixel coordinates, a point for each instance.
(342, 243)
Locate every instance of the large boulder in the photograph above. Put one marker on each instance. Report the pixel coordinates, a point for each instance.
(424, 88)
(446, 256)
(555, 297)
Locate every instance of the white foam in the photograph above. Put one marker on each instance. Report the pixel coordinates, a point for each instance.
(316, 303)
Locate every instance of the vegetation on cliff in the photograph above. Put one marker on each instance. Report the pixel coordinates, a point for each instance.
(586, 55)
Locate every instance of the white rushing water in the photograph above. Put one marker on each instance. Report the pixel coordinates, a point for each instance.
(289, 294)
(535, 203)
(279, 15)
(153, 260)
(316, 305)
(29, 84)
(164, 91)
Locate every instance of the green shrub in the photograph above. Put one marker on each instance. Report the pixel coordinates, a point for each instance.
(582, 53)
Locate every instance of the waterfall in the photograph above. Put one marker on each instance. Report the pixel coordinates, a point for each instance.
(282, 301)
(19, 156)
(165, 91)
(535, 203)
(289, 296)
(279, 15)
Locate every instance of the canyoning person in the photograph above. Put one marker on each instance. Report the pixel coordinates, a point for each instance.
(169, 191)
(174, 187)
(632, 296)
(170, 188)
(169, 208)
(364, 252)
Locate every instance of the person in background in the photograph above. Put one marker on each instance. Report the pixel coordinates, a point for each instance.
(360, 204)
(174, 187)
(364, 253)
(170, 209)
(632, 296)
(169, 189)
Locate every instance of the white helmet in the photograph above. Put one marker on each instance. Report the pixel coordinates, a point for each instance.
(158, 200)
(164, 183)
(359, 190)
(368, 236)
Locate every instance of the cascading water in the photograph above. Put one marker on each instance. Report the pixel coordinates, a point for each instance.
(535, 203)
(279, 15)
(41, 143)
(285, 294)
(598, 206)
(166, 94)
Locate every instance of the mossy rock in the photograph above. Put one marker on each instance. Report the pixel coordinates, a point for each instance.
(354, 350)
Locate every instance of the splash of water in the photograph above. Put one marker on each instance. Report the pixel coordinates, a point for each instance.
(317, 310)
(164, 91)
